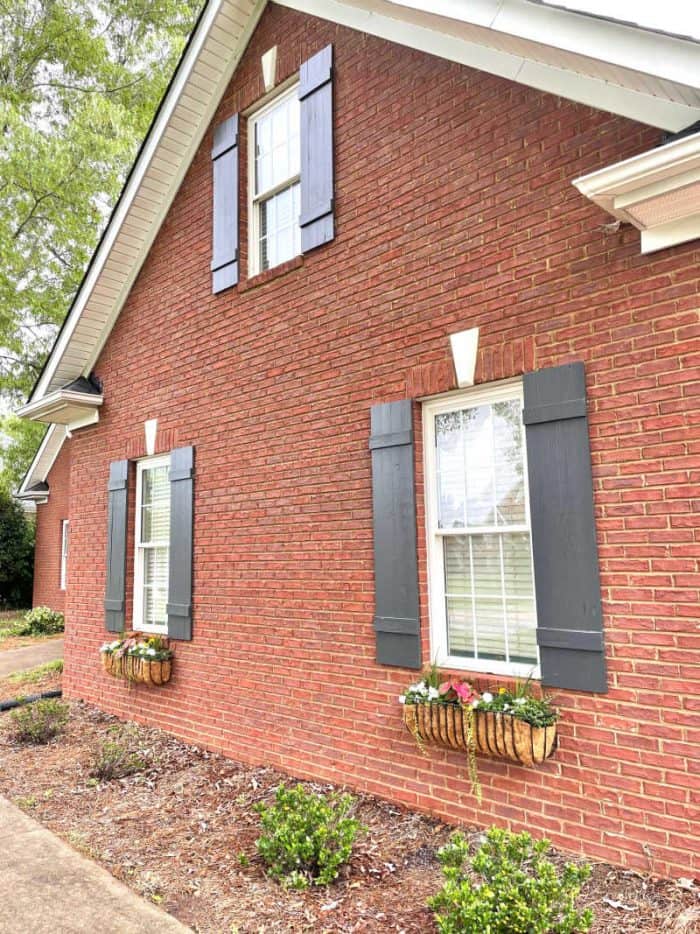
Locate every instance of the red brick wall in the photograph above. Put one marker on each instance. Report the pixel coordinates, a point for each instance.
(49, 517)
(454, 208)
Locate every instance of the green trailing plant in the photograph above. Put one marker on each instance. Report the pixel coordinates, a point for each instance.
(118, 756)
(512, 888)
(40, 722)
(41, 621)
(306, 837)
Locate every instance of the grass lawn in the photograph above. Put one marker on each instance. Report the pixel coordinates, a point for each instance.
(182, 833)
(46, 677)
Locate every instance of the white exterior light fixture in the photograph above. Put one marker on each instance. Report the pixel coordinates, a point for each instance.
(464, 347)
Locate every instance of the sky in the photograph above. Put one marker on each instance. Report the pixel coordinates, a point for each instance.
(676, 16)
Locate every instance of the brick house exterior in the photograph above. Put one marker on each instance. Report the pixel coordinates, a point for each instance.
(50, 516)
(454, 209)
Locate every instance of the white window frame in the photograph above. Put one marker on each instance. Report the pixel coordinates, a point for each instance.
(254, 200)
(481, 395)
(146, 463)
(63, 580)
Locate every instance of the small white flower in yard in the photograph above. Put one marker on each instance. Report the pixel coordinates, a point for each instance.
(433, 693)
(487, 697)
(520, 700)
(402, 698)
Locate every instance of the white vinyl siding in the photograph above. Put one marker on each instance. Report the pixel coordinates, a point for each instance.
(483, 614)
(275, 194)
(152, 544)
(65, 526)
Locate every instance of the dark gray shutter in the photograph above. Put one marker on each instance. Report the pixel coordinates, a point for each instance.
(396, 620)
(181, 529)
(316, 97)
(115, 590)
(224, 264)
(567, 580)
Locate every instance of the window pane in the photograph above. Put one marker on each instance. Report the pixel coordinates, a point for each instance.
(486, 558)
(155, 586)
(517, 564)
(155, 511)
(277, 145)
(280, 235)
(458, 579)
(450, 468)
(480, 472)
(522, 636)
(460, 627)
(491, 631)
(508, 456)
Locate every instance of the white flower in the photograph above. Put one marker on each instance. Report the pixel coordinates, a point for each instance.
(415, 688)
(433, 693)
(520, 700)
(150, 651)
(402, 698)
(487, 697)
(475, 703)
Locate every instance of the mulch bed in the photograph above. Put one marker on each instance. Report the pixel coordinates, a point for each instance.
(11, 689)
(183, 834)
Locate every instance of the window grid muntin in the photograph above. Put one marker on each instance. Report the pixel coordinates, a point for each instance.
(491, 395)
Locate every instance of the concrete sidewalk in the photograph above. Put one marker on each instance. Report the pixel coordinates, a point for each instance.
(48, 888)
(30, 656)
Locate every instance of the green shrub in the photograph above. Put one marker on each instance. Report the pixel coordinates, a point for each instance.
(306, 837)
(41, 621)
(520, 891)
(117, 757)
(39, 722)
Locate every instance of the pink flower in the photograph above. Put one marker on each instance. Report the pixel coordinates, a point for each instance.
(445, 687)
(464, 691)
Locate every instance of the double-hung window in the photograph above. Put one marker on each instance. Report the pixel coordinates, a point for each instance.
(65, 525)
(152, 533)
(483, 614)
(275, 193)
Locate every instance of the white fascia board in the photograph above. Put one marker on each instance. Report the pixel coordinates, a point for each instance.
(425, 31)
(136, 179)
(648, 178)
(628, 46)
(44, 458)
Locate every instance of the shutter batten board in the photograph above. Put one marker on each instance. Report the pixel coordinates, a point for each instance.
(565, 551)
(224, 154)
(115, 586)
(181, 543)
(316, 168)
(396, 621)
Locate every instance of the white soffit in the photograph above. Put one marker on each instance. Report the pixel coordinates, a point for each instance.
(63, 407)
(658, 192)
(646, 76)
(43, 460)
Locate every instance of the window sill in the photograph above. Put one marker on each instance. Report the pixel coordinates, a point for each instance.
(262, 278)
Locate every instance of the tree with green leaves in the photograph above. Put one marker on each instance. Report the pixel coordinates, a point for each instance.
(79, 83)
(16, 554)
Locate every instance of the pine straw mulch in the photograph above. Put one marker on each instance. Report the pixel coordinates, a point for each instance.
(183, 834)
(11, 688)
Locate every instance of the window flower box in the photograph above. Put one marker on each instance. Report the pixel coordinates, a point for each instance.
(451, 713)
(138, 660)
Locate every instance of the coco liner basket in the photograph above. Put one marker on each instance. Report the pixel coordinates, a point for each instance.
(146, 671)
(493, 734)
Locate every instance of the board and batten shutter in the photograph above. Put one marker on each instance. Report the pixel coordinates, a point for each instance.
(181, 533)
(565, 553)
(396, 620)
(316, 170)
(115, 588)
(224, 154)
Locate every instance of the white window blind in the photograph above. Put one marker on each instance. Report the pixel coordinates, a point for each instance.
(482, 589)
